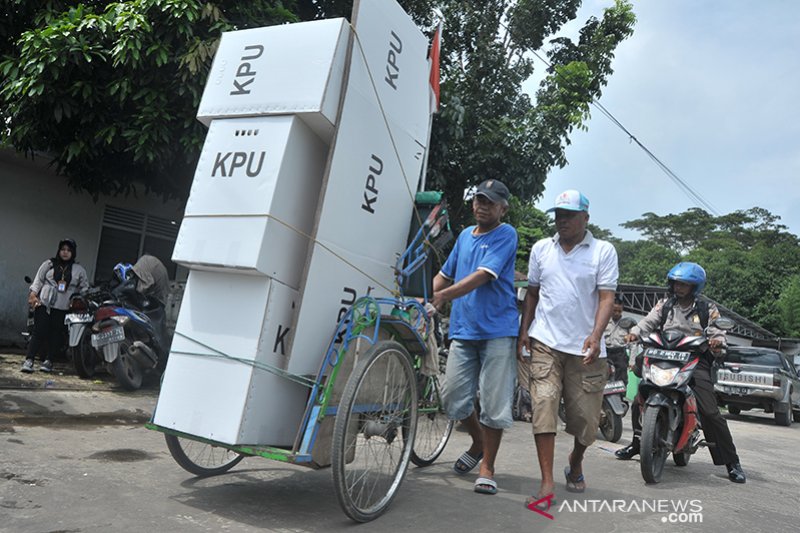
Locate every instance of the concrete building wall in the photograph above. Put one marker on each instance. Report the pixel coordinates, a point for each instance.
(37, 209)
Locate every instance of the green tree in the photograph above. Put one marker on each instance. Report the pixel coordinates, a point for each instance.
(748, 257)
(110, 89)
(681, 232)
(644, 262)
(788, 305)
(488, 128)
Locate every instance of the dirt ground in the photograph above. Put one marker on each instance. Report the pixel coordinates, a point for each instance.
(63, 376)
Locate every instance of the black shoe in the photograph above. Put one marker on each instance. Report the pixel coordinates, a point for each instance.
(27, 366)
(628, 452)
(46, 366)
(735, 473)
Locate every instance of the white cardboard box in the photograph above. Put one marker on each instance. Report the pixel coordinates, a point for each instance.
(253, 198)
(396, 52)
(284, 69)
(204, 394)
(369, 189)
(334, 286)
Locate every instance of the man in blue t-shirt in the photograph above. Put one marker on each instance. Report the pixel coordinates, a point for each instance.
(478, 277)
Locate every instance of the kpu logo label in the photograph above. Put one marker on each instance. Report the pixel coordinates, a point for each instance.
(245, 74)
(227, 163)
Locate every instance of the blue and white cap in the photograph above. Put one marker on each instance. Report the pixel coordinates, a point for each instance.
(571, 200)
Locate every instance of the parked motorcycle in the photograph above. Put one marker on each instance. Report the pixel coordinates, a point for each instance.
(130, 332)
(79, 320)
(615, 406)
(670, 421)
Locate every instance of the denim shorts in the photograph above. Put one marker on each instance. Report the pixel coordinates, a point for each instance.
(486, 364)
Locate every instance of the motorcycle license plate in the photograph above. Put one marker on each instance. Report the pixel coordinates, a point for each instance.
(77, 318)
(667, 355)
(615, 386)
(108, 336)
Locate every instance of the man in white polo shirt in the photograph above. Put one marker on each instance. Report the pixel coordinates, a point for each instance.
(571, 282)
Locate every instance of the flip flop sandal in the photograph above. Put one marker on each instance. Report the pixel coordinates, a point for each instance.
(466, 463)
(572, 485)
(484, 485)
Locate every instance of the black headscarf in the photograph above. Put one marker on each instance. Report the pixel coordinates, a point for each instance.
(62, 270)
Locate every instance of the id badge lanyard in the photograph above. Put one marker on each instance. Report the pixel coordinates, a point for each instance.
(62, 284)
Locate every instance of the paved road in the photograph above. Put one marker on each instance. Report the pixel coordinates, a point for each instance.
(68, 473)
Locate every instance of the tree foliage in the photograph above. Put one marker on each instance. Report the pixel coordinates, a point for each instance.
(788, 305)
(644, 262)
(749, 258)
(110, 89)
(489, 128)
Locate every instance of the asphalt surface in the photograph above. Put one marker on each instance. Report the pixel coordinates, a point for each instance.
(74, 456)
(63, 397)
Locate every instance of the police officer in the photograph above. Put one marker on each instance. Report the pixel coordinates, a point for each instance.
(683, 311)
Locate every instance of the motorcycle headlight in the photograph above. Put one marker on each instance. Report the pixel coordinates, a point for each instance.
(663, 376)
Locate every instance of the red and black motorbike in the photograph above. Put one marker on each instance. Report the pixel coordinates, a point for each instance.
(670, 421)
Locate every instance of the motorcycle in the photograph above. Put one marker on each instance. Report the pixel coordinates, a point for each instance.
(79, 320)
(670, 421)
(130, 332)
(615, 406)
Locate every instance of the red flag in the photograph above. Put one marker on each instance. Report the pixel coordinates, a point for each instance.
(433, 58)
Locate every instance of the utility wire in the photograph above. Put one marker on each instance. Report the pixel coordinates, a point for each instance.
(685, 187)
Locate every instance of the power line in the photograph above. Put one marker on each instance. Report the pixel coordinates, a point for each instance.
(685, 187)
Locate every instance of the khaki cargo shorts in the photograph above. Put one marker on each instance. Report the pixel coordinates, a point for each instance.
(552, 373)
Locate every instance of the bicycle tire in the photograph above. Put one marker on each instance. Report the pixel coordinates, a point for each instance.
(433, 426)
(376, 421)
(217, 459)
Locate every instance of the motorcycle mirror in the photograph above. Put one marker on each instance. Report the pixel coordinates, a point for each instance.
(28, 279)
(626, 322)
(724, 323)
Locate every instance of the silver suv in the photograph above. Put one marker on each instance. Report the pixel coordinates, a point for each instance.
(759, 378)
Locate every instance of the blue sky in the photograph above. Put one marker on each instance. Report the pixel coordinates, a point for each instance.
(712, 88)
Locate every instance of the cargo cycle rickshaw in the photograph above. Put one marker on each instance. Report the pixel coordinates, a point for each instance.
(376, 395)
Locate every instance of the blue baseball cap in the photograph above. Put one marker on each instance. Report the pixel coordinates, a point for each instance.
(571, 200)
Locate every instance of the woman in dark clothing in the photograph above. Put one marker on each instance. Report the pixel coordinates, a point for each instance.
(56, 281)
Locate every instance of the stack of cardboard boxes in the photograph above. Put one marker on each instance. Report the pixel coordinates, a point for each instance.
(301, 202)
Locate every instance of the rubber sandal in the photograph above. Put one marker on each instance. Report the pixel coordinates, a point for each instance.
(484, 485)
(466, 463)
(572, 485)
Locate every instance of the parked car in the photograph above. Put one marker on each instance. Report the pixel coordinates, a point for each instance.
(759, 378)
